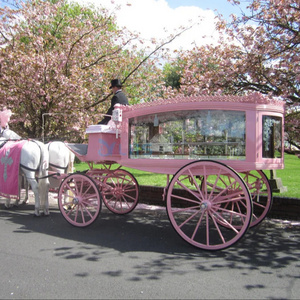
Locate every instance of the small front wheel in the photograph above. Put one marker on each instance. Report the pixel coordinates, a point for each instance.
(79, 200)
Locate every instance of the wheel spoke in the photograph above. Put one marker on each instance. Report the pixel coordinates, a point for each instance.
(188, 219)
(197, 226)
(224, 221)
(218, 229)
(185, 199)
(187, 189)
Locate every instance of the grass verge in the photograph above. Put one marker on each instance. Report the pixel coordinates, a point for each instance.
(290, 176)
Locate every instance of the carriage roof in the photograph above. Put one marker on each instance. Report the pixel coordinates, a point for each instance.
(253, 98)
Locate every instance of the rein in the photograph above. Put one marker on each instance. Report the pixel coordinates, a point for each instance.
(59, 167)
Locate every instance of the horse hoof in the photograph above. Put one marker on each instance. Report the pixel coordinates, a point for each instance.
(37, 213)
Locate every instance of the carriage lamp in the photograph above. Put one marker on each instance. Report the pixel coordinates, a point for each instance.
(117, 118)
(117, 115)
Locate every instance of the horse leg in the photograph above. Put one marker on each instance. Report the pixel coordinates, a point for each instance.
(7, 203)
(44, 180)
(34, 186)
(26, 186)
(43, 187)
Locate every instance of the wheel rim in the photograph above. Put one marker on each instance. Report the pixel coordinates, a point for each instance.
(261, 194)
(209, 205)
(79, 200)
(120, 192)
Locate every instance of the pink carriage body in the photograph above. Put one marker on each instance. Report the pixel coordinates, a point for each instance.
(214, 146)
(244, 132)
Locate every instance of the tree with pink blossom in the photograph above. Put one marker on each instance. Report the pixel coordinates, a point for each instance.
(56, 62)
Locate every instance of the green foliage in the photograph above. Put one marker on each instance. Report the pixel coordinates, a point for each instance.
(172, 75)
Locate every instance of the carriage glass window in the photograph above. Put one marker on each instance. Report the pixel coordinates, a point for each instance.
(188, 135)
(272, 137)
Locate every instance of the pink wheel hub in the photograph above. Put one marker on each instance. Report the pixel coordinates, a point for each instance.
(206, 205)
(118, 192)
(77, 200)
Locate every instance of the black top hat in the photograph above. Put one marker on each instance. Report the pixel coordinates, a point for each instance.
(115, 82)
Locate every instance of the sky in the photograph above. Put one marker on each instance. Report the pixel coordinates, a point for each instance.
(151, 18)
(223, 6)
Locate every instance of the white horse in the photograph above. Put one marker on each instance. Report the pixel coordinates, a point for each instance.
(61, 160)
(34, 162)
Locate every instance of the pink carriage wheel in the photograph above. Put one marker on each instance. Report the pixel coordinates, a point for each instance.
(261, 194)
(79, 200)
(209, 205)
(120, 192)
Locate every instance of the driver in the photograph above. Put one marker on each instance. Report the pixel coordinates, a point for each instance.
(118, 97)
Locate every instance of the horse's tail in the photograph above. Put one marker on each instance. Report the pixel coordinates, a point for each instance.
(71, 162)
(44, 161)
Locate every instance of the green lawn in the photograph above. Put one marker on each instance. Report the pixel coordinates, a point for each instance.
(290, 176)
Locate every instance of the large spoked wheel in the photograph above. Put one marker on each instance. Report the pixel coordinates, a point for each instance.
(209, 205)
(120, 192)
(261, 194)
(79, 200)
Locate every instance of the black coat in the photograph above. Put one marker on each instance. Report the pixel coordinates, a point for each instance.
(119, 97)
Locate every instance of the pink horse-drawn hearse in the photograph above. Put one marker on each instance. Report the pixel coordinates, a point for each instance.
(214, 148)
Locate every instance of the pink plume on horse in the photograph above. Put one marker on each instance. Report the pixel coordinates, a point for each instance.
(5, 117)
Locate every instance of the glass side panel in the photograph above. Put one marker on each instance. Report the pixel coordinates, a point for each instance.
(272, 137)
(188, 135)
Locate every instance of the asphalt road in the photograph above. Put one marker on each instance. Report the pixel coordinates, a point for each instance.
(140, 256)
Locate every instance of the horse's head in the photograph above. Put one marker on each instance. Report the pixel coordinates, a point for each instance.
(9, 134)
(5, 117)
(5, 132)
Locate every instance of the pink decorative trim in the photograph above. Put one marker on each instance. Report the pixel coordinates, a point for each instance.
(256, 98)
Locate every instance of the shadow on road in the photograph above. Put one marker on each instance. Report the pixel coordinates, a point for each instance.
(271, 247)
